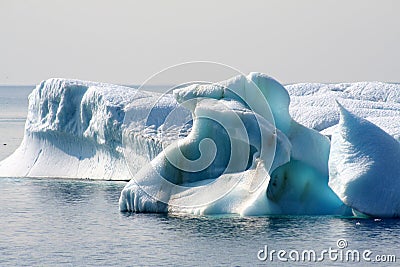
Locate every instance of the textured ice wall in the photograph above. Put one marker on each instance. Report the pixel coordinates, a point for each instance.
(74, 130)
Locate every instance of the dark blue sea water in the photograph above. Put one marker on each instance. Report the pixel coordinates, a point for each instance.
(53, 222)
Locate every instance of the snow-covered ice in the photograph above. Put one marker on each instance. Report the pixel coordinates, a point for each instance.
(314, 104)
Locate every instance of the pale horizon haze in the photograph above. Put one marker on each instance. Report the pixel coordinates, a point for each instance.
(125, 42)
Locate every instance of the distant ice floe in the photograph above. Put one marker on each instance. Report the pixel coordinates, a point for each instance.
(314, 104)
(245, 146)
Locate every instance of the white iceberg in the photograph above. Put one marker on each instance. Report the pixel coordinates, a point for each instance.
(314, 104)
(74, 130)
(364, 167)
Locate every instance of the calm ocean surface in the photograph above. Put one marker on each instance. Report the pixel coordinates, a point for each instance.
(77, 223)
(13, 111)
(53, 222)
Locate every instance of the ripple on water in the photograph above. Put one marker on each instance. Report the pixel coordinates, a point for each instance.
(70, 222)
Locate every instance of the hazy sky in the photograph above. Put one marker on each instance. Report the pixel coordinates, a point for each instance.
(125, 42)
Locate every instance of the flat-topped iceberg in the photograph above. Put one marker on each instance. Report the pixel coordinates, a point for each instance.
(314, 104)
(74, 130)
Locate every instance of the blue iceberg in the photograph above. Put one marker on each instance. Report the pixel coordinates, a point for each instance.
(275, 166)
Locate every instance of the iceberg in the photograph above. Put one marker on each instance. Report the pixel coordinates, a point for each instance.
(287, 175)
(314, 104)
(246, 146)
(74, 130)
(364, 167)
